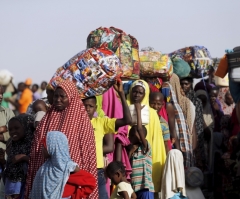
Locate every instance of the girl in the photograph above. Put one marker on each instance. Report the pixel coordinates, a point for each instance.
(116, 172)
(18, 150)
(52, 176)
(141, 159)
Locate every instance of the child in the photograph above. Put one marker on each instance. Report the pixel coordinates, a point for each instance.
(116, 172)
(18, 151)
(53, 175)
(156, 101)
(140, 156)
(102, 126)
(39, 108)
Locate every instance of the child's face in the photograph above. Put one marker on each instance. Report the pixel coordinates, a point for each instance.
(156, 103)
(213, 95)
(16, 130)
(134, 136)
(90, 106)
(116, 178)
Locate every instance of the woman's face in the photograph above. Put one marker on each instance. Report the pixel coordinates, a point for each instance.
(186, 86)
(60, 99)
(137, 95)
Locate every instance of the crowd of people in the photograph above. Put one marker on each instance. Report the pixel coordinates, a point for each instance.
(148, 138)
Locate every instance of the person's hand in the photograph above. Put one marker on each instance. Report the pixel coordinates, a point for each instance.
(3, 129)
(216, 106)
(7, 99)
(118, 86)
(137, 106)
(18, 158)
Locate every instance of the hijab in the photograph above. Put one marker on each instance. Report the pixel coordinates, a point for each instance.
(52, 176)
(207, 110)
(15, 172)
(154, 137)
(199, 124)
(182, 130)
(183, 101)
(74, 122)
(173, 180)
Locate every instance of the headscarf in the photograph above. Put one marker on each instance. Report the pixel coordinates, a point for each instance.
(15, 172)
(154, 137)
(173, 180)
(227, 110)
(207, 110)
(183, 101)
(199, 124)
(74, 122)
(182, 131)
(52, 176)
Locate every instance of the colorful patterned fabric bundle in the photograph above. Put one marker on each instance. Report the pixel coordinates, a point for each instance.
(155, 64)
(93, 71)
(198, 57)
(123, 45)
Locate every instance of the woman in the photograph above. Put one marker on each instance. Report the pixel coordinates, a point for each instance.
(184, 102)
(184, 117)
(226, 100)
(187, 86)
(208, 125)
(67, 115)
(139, 93)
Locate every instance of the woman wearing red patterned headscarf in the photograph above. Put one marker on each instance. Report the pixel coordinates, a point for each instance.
(69, 116)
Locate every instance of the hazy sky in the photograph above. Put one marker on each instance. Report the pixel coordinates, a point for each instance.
(37, 37)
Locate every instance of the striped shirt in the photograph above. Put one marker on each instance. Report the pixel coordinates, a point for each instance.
(142, 169)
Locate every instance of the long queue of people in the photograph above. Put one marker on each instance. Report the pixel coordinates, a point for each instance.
(137, 140)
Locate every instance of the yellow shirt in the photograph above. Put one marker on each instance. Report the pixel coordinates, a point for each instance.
(101, 127)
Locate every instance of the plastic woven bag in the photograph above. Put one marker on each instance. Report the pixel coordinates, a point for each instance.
(123, 45)
(198, 57)
(93, 71)
(154, 64)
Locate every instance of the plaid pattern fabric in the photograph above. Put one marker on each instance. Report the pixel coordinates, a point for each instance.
(182, 130)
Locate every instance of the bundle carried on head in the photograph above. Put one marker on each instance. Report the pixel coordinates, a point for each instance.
(123, 45)
(5, 77)
(93, 71)
(180, 67)
(198, 58)
(154, 63)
